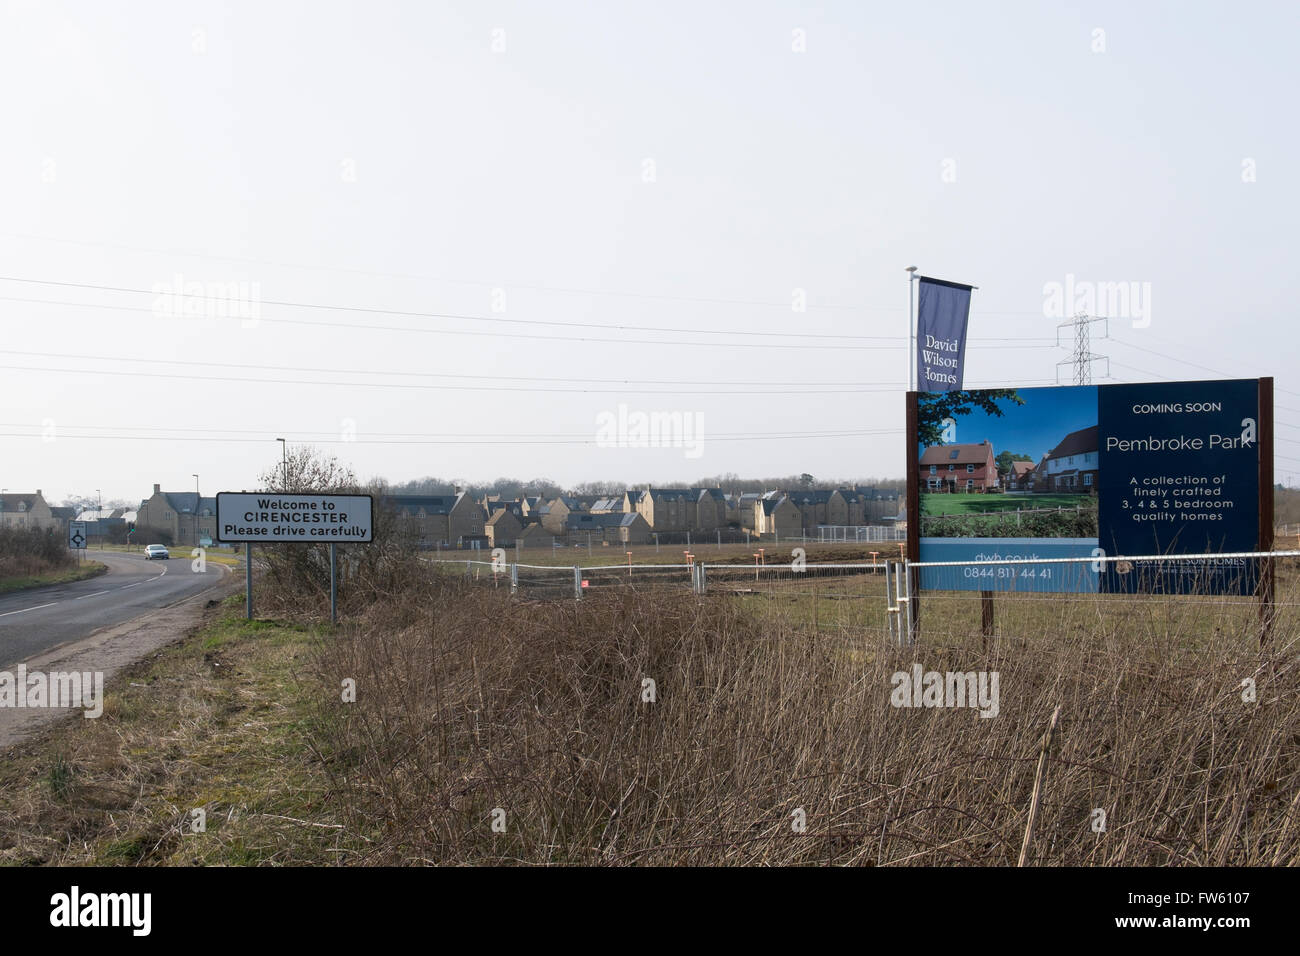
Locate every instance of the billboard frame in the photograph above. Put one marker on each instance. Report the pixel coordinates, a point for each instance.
(1265, 588)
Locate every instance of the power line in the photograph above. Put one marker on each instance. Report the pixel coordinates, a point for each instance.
(445, 375)
(461, 317)
(537, 287)
(1203, 368)
(434, 387)
(298, 433)
(462, 441)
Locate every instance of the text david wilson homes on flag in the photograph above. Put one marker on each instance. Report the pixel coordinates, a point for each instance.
(943, 309)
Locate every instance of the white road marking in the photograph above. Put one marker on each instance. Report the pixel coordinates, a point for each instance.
(26, 609)
(96, 594)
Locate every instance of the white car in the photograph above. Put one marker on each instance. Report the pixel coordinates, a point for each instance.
(156, 551)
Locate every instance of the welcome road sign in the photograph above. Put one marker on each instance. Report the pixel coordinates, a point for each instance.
(306, 519)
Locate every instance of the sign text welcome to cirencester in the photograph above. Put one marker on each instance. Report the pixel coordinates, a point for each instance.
(309, 519)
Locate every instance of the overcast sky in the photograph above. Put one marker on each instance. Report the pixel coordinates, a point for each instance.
(501, 204)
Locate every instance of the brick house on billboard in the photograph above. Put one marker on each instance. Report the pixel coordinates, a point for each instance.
(959, 467)
(1072, 464)
(1018, 479)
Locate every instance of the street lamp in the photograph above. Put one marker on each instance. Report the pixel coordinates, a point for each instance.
(284, 464)
(99, 516)
(197, 499)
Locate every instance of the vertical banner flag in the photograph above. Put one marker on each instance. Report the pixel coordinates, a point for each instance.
(941, 314)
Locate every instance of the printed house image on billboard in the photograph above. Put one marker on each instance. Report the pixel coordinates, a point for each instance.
(1087, 471)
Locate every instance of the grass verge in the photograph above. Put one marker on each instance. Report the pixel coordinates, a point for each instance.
(90, 569)
(217, 722)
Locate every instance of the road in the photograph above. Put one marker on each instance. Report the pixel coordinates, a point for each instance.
(35, 621)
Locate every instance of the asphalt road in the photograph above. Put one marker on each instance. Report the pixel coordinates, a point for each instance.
(43, 618)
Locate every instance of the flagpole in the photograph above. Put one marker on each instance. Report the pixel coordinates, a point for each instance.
(911, 326)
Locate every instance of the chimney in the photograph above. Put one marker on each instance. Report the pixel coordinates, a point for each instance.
(157, 489)
(458, 489)
(38, 493)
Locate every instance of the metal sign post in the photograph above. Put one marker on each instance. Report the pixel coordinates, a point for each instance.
(334, 588)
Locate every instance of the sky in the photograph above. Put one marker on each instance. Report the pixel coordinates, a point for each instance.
(461, 239)
(1035, 427)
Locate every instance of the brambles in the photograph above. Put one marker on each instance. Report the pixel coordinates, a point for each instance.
(29, 551)
(470, 702)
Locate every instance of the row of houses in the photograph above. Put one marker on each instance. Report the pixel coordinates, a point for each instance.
(187, 518)
(1071, 467)
(636, 516)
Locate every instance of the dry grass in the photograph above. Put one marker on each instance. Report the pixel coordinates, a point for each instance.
(470, 702)
(216, 722)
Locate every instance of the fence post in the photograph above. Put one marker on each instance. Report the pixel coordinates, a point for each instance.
(910, 611)
(514, 578)
(891, 608)
(577, 583)
(986, 616)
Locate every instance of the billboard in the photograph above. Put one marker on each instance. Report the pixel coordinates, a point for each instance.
(311, 519)
(1029, 474)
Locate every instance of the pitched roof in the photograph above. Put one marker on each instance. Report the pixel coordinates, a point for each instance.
(429, 504)
(771, 504)
(12, 499)
(190, 503)
(671, 494)
(810, 497)
(583, 521)
(1076, 443)
(59, 511)
(957, 454)
(499, 514)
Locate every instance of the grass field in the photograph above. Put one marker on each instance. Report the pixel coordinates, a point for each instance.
(709, 552)
(932, 504)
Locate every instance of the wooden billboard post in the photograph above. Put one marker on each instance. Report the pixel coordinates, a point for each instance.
(912, 547)
(1264, 437)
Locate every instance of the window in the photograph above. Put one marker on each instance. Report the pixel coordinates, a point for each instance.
(934, 470)
(952, 467)
(1087, 479)
(1071, 461)
(970, 469)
